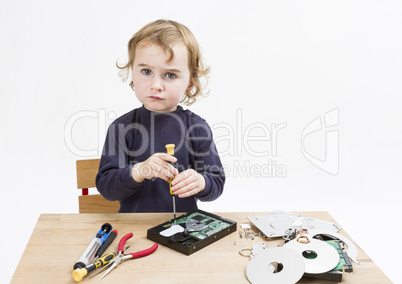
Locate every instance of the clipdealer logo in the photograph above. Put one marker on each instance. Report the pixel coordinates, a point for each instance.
(102, 118)
(329, 131)
(254, 147)
(239, 141)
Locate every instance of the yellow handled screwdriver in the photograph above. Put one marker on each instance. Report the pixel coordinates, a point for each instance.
(170, 151)
(78, 274)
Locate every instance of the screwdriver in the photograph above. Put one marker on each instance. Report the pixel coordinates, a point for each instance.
(110, 238)
(170, 151)
(105, 266)
(78, 274)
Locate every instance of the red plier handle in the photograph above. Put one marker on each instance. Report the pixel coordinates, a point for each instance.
(144, 252)
(137, 254)
(123, 241)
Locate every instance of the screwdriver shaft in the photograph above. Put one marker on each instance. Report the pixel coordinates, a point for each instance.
(174, 209)
(170, 151)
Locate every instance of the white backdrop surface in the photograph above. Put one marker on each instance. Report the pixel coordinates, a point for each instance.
(304, 104)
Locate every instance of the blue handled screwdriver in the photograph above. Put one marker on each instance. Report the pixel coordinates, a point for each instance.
(110, 238)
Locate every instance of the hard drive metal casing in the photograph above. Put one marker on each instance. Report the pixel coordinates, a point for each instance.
(185, 242)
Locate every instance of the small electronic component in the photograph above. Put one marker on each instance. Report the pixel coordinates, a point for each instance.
(198, 218)
(209, 222)
(344, 262)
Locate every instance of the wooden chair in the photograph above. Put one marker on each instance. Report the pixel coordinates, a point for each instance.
(94, 203)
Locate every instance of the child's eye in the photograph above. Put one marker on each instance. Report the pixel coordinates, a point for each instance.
(146, 71)
(170, 75)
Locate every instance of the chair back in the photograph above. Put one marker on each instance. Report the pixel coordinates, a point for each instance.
(92, 203)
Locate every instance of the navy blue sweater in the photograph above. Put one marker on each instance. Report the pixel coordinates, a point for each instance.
(135, 136)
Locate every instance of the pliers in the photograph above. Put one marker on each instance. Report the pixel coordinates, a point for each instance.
(120, 256)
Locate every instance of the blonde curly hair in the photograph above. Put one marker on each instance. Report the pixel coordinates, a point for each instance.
(166, 33)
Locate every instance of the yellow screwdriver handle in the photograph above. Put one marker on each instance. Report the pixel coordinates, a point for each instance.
(105, 259)
(78, 274)
(170, 151)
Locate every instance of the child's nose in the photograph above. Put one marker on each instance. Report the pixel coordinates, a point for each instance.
(157, 84)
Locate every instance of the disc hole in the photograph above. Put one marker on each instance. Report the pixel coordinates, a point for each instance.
(275, 267)
(309, 254)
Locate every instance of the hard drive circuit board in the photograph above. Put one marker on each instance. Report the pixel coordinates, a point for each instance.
(211, 225)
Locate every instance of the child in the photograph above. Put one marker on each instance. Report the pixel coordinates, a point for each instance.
(165, 66)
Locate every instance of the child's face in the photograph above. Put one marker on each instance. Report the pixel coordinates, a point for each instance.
(160, 85)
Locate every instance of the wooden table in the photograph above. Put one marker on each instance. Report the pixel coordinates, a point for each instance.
(58, 240)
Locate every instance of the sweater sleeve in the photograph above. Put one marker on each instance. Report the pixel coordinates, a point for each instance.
(207, 161)
(114, 180)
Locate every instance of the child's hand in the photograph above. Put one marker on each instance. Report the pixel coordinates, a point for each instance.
(188, 183)
(155, 166)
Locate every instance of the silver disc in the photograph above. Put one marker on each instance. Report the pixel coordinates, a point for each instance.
(327, 257)
(352, 249)
(259, 269)
(195, 226)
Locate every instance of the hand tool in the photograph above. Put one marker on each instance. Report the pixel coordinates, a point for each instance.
(120, 257)
(170, 151)
(79, 274)
(89, 253)
(110, 238)
(105, 266)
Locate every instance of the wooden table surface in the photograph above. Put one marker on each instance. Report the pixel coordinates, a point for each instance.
(58, 240)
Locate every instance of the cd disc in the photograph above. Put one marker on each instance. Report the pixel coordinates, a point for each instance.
(319, 256)
(258, 268)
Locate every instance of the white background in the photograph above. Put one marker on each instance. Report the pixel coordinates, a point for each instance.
(272, 62)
